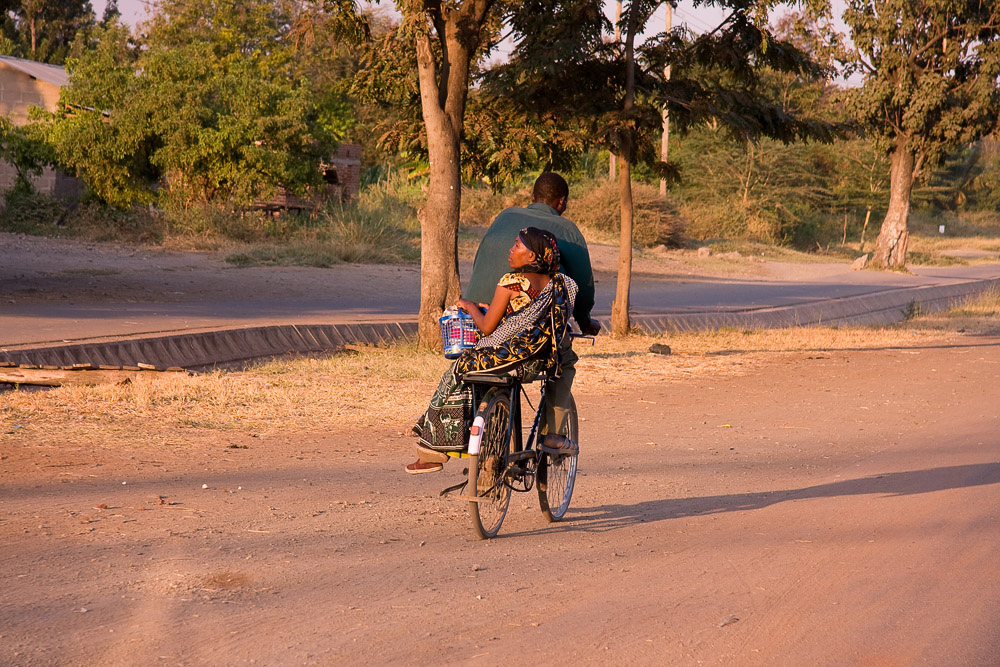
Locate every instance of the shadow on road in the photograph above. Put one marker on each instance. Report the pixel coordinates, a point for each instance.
(882, 348)
(611, 517)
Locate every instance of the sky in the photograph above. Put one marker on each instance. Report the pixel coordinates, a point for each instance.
(132, 11)
(698, 20)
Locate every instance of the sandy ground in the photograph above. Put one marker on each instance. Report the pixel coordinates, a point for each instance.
(825, 508)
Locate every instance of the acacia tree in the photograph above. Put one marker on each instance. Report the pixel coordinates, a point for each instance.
(563, 65)
(930, 84)
(427, 64)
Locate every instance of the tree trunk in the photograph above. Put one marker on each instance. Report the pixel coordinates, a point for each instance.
(620, 324)
(665, 138)
(439, 280)
(890, 248)
(443, 91)
(612, 158)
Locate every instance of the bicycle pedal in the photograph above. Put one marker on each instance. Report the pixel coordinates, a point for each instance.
(515, 472)
(452, 489)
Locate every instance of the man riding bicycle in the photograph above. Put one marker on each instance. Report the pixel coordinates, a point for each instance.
(550, 196)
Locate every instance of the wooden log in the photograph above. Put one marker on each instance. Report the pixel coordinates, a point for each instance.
(57, 378)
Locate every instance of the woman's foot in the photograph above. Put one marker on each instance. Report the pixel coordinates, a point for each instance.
(430, 455)
(419, 467)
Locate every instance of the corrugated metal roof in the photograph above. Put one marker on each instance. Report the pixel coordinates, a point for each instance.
(54, 74)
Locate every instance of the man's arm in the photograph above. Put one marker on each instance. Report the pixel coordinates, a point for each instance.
(576, 264)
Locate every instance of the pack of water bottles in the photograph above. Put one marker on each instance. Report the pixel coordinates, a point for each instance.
(458, 332)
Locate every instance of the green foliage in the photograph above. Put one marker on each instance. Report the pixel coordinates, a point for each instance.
(912, 311)
(28, 212)
(25, 148)
(754, 190)
(567, 69)
(43, 30)
(214, 105)
(967, 180)
(238, 125)
(104, 137)
(930, 70)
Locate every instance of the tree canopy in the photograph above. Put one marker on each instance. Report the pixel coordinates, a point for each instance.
(212, 105)
(564, 66)
(43, 30)
(930, 72)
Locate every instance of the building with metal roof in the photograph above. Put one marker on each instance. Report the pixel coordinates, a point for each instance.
(25, 84)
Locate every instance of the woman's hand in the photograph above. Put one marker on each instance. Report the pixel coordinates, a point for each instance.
(466, 305)
(488, 321)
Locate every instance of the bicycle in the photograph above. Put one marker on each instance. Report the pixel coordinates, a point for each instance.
(501, 461)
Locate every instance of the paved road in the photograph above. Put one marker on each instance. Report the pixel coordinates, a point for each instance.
(392, 295)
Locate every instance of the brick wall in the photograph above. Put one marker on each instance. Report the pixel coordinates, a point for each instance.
(19, 92)
(347, 161)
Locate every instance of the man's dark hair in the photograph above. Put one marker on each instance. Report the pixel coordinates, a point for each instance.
(550, 187)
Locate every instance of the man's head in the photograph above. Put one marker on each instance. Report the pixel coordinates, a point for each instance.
(551, 188)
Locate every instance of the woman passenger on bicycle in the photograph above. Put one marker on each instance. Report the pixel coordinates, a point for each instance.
(530, 303)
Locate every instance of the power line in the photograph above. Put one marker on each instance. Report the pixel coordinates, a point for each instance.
(691, 18)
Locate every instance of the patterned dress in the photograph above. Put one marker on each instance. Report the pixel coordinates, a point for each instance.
(520, 344)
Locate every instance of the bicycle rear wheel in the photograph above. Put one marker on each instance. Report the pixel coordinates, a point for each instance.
(486, 469)
(557, 474)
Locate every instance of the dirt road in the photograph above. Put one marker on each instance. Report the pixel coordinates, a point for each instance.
(825, 509)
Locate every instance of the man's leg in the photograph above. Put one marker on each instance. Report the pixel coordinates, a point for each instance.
(558, 397)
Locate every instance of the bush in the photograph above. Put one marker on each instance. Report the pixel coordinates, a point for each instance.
(656, 221)
(26, 211)
(480, 204)
(379, 227)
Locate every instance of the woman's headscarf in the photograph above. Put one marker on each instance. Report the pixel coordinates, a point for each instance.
(546, 250)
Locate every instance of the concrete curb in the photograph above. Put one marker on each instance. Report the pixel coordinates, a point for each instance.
(212, 348)
(878, 308)
(199, 350)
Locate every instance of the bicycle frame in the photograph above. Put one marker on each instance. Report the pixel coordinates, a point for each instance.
(519, 450)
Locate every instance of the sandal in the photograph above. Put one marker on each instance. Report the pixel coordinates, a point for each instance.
(419, 467)
(560, 444)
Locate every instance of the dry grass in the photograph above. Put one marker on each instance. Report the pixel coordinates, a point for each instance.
(625, 364)
(931, 244)
(307, 394)
(391, 386)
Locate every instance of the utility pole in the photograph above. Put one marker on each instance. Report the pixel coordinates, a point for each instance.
(618, 38)
(665, 141)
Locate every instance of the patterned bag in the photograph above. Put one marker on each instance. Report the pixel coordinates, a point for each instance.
(521, 345)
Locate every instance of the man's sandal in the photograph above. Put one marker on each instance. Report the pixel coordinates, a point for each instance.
(560, 445)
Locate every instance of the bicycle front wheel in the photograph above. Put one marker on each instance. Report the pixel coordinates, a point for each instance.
(486, 470)
(557, 474)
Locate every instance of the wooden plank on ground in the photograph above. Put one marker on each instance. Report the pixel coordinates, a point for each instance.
(57, 378)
